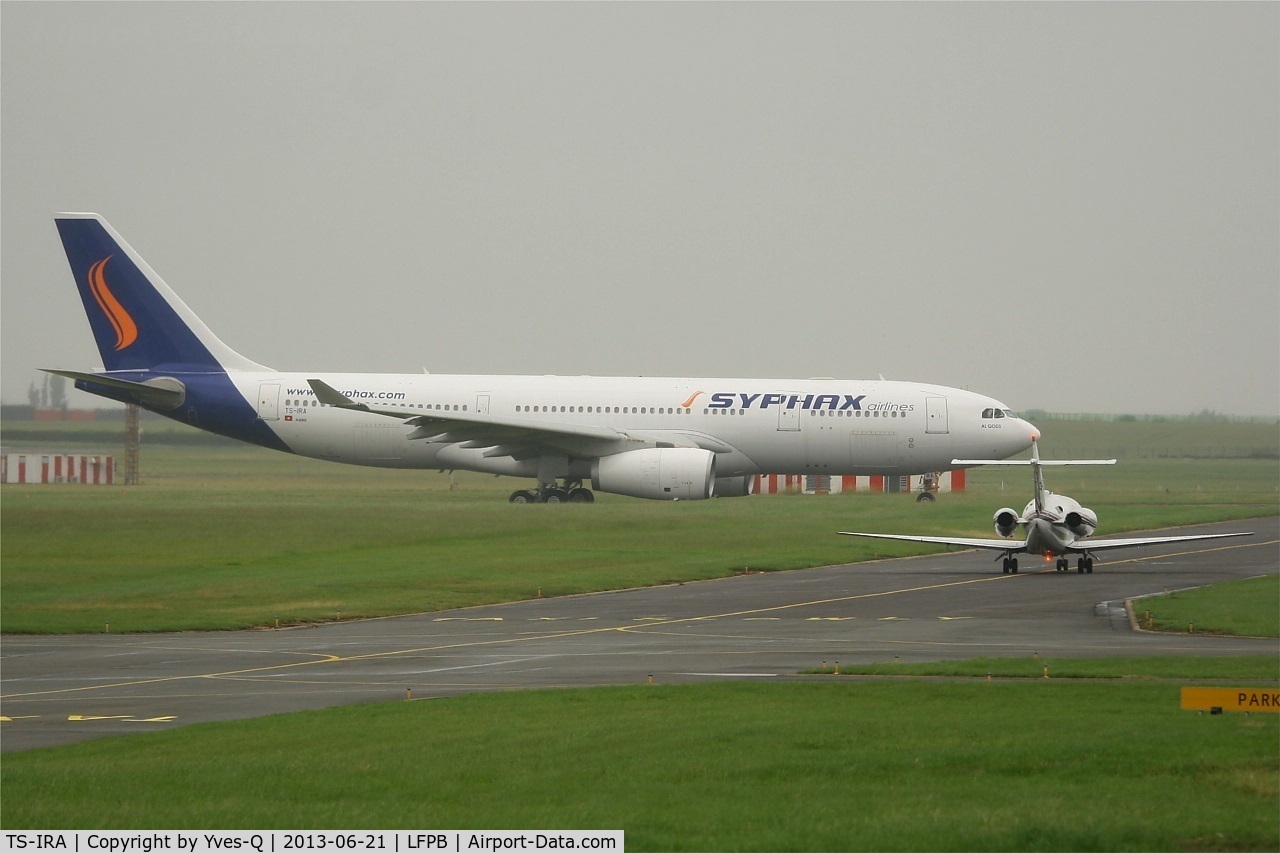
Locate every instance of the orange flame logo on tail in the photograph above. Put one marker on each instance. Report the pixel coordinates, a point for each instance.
(126, 330)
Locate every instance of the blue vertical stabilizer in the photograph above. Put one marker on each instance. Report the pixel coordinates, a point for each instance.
(156, 351)
(138, 322)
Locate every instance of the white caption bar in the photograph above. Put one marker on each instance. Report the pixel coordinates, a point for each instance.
(280, 841)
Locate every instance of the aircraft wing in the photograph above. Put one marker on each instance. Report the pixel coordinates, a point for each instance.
(1083, 545)
(1014, 546)
(514, 436)
(1011, 546)
(520, 438)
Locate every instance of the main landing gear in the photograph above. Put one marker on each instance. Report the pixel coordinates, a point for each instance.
(1084, 565)
(571, 493)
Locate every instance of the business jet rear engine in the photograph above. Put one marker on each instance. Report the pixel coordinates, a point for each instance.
(1082, 522)
(660, 473)
(1005, 522)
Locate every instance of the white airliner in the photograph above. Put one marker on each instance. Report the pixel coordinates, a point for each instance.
(1055, 525)
(666, 439)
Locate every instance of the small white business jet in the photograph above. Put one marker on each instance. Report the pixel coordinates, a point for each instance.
(665, 439)
(1055, 525)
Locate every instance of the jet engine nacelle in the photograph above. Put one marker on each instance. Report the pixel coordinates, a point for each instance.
(734, 487)
(1005, 522)
(1082, 522)
(660, 473)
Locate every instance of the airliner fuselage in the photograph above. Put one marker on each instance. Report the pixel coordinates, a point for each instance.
(754, 426)
(661, 438)
(751, 426)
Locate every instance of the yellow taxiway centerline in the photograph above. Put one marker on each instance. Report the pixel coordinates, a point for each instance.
(326, 658)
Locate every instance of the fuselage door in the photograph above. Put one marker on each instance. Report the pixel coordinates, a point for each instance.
(788, 419)
(482, 404)
(935, 409)
(269, 402)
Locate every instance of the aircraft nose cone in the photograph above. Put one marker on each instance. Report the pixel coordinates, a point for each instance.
(1018, 438)
(1029, 436)
(1032, 434)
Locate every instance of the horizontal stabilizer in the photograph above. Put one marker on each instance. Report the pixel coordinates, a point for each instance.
(1034, 461)
(162, 393)
(967, 462)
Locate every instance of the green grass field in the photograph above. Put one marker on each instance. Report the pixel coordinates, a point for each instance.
(825, 765)
(228, 536)
(223, 535)
(1082, 439)
(1249, 608)
(1247, 669)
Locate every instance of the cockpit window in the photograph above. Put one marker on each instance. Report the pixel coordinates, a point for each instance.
(1009, 414)
(991, 414)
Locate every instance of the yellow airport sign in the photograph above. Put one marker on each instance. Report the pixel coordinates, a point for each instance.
(1250, 699)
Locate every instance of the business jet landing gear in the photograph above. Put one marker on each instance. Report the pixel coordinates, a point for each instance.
(1084, 565)
(1010, 565)
(572, 493)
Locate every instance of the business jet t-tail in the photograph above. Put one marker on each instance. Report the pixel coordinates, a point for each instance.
(1055, 525)
(667, 439)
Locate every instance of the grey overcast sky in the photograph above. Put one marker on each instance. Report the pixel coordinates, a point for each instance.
(1067, 206)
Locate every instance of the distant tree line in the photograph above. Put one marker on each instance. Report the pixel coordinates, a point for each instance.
(51, 394)
(1204, 416)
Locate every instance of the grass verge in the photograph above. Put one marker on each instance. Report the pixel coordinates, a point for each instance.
(233, 537)
(831, 765)
(1244, 608)
(1264, 669)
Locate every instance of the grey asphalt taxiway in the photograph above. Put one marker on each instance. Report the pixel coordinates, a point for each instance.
(60, 689)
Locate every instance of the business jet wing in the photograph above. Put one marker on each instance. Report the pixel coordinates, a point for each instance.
(1011, 546)
(1083, 545)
